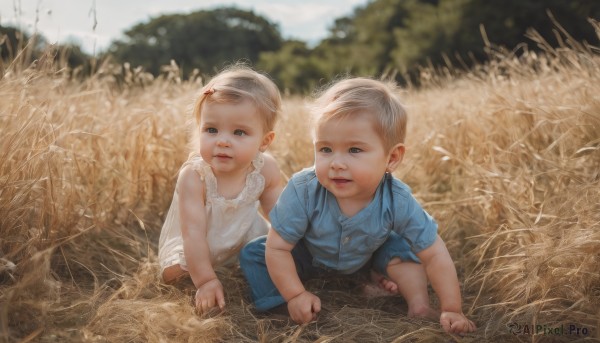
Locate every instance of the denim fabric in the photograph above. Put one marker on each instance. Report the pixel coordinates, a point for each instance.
(394, 246)
(252, 262)
(264, 293)
(306, 210)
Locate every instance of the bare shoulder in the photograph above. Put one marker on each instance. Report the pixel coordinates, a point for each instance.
(270, 170)
(189, 181)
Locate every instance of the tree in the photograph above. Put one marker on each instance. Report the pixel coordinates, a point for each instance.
(206, 40)
(294, 68)
(362, 43)
(19, 49)
(13, 41)
(506, 23)
(453, 27)
(430, 31)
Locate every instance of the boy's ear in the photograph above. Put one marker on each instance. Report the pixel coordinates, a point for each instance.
(395, 157)
(267, 140)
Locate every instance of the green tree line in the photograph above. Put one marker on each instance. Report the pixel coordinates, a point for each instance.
(383, 37)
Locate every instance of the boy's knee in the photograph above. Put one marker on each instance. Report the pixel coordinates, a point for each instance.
(394, 262)
(419, 310)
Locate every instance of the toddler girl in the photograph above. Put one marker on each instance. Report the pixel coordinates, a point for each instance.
(214, 211)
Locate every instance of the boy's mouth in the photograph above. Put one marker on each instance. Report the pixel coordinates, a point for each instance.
(222, 156)
(340, 180)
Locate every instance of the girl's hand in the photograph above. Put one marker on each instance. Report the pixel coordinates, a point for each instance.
(304, 307)
(209, 295)
(453, 322)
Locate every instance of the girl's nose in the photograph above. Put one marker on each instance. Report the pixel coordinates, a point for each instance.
(222, 142)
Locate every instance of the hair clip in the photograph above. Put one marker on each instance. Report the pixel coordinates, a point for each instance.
(209, 91)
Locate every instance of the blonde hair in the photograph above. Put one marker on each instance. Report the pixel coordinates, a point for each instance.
(238, 83)
(379, 100)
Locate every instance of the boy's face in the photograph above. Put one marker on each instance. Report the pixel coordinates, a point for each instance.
(350, 160)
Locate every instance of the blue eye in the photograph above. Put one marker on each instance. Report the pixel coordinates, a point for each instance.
(325, 150)
(354, 150)
(239, 132)
(211, 130)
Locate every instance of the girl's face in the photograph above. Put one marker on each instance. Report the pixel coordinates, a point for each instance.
(350, 160)
(231, 135)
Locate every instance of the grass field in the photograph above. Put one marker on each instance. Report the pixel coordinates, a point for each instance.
(506, 157)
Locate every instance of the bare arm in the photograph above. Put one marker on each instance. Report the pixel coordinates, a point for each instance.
(442, 274)
(303, 306)
(193, 226)
(195, 247)
(273, 185)
(280, 264)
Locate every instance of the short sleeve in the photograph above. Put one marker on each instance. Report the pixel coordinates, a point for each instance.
(289, 216)
(414, 223)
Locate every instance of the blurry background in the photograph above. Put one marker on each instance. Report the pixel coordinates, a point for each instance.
(94, 25)
(300, 46)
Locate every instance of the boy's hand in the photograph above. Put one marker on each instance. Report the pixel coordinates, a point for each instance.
(453, 322)
(209, 295)
(304, 307)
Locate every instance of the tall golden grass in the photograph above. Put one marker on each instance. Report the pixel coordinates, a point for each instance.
(505, 156)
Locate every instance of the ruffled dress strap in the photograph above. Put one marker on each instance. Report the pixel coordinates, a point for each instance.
(255, 182)
(258, 162)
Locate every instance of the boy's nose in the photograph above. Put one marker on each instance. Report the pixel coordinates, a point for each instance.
(337, 163)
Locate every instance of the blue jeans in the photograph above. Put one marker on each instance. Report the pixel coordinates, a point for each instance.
(264, 293)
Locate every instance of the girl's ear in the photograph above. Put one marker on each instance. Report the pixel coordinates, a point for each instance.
(395, 157)
(266, 141)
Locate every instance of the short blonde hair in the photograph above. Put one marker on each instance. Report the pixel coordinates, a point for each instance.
(238, 83)
(363, 96)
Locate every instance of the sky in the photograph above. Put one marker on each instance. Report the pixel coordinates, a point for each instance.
(94, 24)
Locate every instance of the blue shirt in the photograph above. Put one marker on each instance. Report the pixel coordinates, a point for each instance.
(306, 210)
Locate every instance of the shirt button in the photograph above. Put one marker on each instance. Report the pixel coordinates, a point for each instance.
(347, 239)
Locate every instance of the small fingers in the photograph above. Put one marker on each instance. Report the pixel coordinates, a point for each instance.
(472, 326)
(204, 304)
(301, 318)
(445, 324)
(455, 328)
(199, 305)
(316, 306)
(221, 300)
(306, 316)
(391, 287)
(456, 323)
(462, 327)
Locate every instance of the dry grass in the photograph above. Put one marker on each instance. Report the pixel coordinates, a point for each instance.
(506, 157)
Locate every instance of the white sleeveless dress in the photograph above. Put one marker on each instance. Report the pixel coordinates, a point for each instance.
(230, 223)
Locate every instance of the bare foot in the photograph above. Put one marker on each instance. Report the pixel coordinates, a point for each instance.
(379, 286)
(174, 274)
